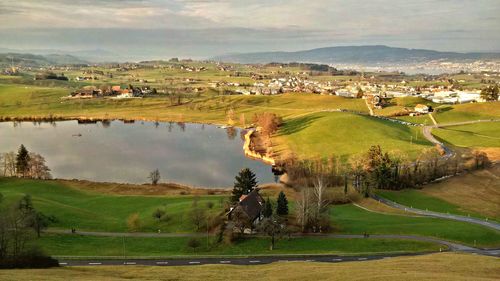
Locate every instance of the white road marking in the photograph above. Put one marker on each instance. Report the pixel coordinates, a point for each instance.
(130, 263)
(337, 260)
(362, 259)
(63, 263)
(162, 262)
(254, 261)
(309, 260)
(194, 262)
(95, 263)
(225, 261)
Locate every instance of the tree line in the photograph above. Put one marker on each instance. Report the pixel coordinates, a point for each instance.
(378, 169)
(24, 164)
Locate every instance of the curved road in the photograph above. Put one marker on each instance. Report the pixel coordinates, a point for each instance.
(427, 132)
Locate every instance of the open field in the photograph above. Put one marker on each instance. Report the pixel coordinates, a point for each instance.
(94, 211)
(76, 245)
(476, 193)
(30, 101)
(467, 112)
(443, 267)
(350, 219)
(344, 134)
(473, 135)
(417, 199)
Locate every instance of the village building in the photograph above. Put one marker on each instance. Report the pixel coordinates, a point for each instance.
(251, 204)
(422, 108)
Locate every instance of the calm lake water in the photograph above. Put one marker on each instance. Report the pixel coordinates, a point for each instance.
(193, 154)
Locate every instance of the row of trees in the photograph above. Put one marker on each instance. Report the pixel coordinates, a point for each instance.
(24, 164)
(383, 170)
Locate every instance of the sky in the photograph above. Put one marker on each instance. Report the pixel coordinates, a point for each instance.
(203, 28)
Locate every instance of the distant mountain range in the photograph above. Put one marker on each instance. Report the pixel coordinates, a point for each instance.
(7, 59)
(377, 54)
(95, 55)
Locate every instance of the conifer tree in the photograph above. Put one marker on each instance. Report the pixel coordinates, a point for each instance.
(244, 184)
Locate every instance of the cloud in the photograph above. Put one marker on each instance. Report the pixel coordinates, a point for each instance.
(326, 21)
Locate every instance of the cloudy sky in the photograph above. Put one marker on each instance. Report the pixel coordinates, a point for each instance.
(200, 28)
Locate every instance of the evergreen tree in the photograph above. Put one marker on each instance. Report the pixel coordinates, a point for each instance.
(268, 209)
(282, 207)
(245, 183)
(22, 161)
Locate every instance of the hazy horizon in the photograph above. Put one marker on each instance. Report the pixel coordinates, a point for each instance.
(146, 29)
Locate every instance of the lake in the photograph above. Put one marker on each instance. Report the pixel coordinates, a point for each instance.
(191, 154)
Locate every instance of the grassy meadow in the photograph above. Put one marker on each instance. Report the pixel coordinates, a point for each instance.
(467, 112)
(476, 193)
(473, 135)
(344, 134)
(442, 266)
(77, 245)
(94, 211)
(102, 212)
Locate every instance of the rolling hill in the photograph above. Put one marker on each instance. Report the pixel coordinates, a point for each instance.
(376, 54)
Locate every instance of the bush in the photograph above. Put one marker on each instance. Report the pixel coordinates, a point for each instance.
(194, 243)
(32, 258)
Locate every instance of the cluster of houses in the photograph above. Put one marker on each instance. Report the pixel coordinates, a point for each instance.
(291, 84)
(116, 92)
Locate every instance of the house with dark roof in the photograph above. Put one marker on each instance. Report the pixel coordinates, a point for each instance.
(251, 204)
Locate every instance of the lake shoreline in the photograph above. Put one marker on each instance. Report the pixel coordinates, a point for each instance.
(177, 185)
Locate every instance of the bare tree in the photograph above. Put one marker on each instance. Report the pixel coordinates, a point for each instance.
(9, 164)
(303, 208)
(154, 176)
(37, 167)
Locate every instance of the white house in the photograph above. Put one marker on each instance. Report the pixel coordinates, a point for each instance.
(422, 108)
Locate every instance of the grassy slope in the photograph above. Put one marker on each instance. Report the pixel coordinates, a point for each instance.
(474, 135)
(444, 267)
(101, 212)
(418, 199)
(475, 192)
(344, 134)
(94, 211)
(17, 100)
(351, 219)
(467, 112)
(177, 246)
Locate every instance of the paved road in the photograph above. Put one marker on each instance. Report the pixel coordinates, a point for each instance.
(490, 224)
(227, 260)
(238, 260)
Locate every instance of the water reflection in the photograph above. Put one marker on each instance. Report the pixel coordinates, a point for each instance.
(194, 154)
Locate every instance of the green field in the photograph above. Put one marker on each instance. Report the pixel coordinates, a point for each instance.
(473, 135)
(18, 100)
(99, 212)
(76, 245)
(351, 219)
(417, 199)
(343, 134)
(93, 211)
(467, 112)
